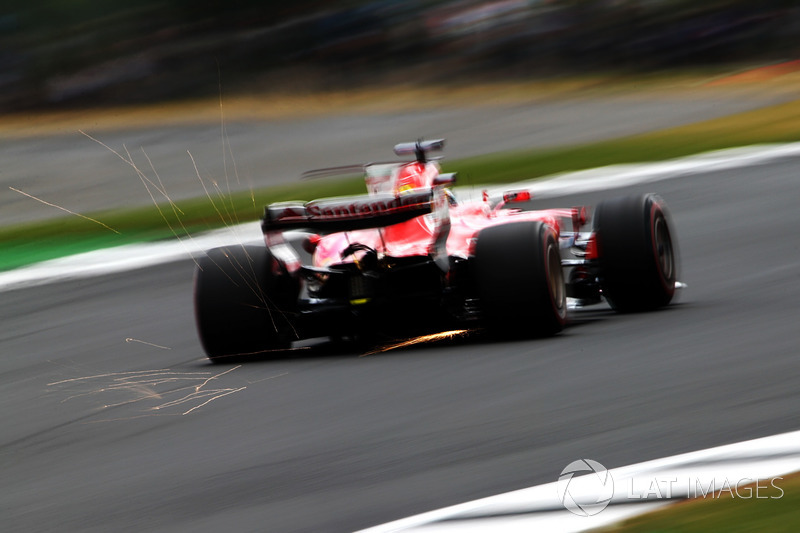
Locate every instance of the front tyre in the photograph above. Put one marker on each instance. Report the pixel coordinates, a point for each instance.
(520, 279)
(638, 261)
(240, 306)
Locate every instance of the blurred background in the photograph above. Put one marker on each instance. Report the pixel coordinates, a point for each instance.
(74, 53)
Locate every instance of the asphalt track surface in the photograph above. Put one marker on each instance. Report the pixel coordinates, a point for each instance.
(110, 420)
(78, 174)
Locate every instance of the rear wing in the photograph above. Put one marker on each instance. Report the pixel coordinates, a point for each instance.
(346, 170)
(347, 213)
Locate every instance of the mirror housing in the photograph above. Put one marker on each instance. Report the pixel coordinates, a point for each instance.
(514, 197)
(448, 178)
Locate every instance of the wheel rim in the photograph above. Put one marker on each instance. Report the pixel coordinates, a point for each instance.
(663, 249)
(556, 278)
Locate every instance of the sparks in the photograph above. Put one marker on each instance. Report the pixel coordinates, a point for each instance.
(444, 335)
(129, 340)
(66, 210)
(203, 384)
(160, 188)
(152, 385)
(109, 375)
(225, 393)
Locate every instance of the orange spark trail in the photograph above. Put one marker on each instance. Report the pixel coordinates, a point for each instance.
(65, 209)
(420, 340)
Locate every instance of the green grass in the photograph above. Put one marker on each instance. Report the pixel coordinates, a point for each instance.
(32, 242)
(775, 511)
(49, 239)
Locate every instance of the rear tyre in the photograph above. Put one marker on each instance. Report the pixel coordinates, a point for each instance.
(520, 279)
(638, 262)
(241, 307)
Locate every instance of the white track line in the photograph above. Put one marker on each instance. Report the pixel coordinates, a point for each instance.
(699, 474)
(616, 176)
(134, 256)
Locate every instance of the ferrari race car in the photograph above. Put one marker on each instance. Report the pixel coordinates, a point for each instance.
(409, 257)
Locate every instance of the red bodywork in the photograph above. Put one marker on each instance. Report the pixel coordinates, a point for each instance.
(409, 249)
(417, 236)
(408, 258)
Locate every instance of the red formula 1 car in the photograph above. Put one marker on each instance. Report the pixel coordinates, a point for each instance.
(408, 257)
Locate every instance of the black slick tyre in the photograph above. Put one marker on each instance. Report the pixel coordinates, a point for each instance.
(520, 280)
(637, 257)
(240, 306)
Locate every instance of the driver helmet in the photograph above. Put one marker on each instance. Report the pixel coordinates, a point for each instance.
(411, 176)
